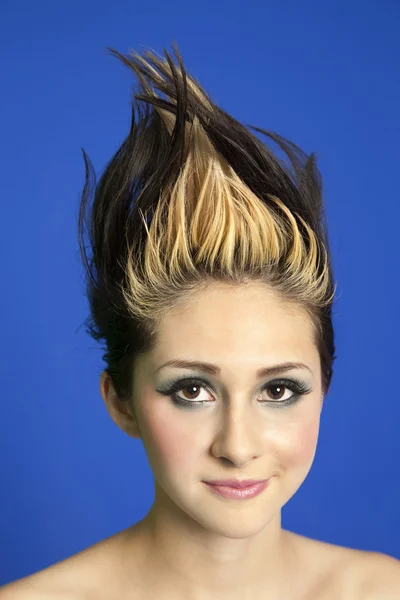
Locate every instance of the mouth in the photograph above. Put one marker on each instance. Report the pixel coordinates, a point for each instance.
(235, 492)
(236, 483)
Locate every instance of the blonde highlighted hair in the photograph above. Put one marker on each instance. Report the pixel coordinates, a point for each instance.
(193, 197)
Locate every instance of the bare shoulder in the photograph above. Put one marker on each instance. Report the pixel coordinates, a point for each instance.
(33, 587)
(78, 577)
(342, 572)
(380, 576)
(48, 584)
(25, 589)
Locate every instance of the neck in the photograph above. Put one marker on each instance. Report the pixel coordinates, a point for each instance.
(186, 559)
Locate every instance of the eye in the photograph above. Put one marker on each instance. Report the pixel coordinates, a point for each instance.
(192, 395)
(279, 393)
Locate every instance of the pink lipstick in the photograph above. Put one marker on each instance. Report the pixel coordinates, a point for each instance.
(239, 490)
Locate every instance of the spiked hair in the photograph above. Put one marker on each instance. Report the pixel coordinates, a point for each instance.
(193, 197)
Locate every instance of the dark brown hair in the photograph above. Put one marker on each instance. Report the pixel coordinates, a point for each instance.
(191, 197)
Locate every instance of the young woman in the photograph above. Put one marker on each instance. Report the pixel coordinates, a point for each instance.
(211, 284)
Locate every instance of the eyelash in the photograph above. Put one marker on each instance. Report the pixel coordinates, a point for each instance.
(171, 388)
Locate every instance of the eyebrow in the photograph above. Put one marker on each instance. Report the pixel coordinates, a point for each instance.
(214, 370)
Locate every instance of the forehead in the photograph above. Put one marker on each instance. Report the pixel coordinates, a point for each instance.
(247, 323)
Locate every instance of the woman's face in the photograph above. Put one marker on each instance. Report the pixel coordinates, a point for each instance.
(241, 430)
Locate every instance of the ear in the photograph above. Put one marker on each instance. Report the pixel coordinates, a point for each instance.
(119, 410)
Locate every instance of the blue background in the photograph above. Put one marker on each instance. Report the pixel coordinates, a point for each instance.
(326, 76)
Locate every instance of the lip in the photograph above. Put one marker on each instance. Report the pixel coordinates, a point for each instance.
(236, 483)
(235, 493)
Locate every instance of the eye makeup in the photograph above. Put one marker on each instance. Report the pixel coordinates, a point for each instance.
(172, 386)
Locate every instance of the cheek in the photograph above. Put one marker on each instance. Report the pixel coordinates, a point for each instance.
(298, 445)
(168, 440)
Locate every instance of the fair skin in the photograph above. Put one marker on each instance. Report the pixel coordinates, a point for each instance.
(201, 545)
(192, 544)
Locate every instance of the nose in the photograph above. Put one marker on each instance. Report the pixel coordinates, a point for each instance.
(238, 438)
